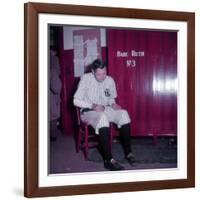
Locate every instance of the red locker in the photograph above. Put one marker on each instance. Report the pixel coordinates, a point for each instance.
(144, 66)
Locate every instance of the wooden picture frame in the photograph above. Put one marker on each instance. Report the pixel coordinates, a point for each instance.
(31, 102)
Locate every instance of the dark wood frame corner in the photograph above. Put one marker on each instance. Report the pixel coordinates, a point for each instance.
(31, 186)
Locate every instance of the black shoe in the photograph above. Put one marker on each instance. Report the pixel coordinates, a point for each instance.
(131, 159)
(113, 165)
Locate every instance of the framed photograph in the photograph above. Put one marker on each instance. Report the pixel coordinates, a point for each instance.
(150, 55)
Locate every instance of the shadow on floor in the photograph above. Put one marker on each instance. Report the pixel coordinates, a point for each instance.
(64, 159)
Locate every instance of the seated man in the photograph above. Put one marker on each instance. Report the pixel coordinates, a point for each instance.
(95, 96)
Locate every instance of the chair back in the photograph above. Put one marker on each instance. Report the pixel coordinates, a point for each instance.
(78, 113)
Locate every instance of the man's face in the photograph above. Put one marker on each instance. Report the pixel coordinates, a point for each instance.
(100, 74)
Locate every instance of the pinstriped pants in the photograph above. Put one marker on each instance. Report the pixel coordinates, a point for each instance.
(102, 119)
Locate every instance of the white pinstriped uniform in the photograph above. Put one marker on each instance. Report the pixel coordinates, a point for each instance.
(90, 92)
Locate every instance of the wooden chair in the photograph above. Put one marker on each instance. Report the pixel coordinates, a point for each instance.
(86, 137)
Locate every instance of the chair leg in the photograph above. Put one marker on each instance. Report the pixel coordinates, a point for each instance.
(83, 141)
(86, 147)
(78, 145)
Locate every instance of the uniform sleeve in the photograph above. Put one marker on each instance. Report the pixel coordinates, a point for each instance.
(113, 92)
(80, 94)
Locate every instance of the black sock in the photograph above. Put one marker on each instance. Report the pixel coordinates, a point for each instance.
(125, 135)
(104, 139)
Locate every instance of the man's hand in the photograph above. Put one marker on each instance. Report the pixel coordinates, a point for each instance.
(98, 108)
(115, 106)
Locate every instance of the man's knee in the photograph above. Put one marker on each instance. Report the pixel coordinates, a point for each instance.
(124, 114)
(123, 111)
(103, 120)
(124, 118)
